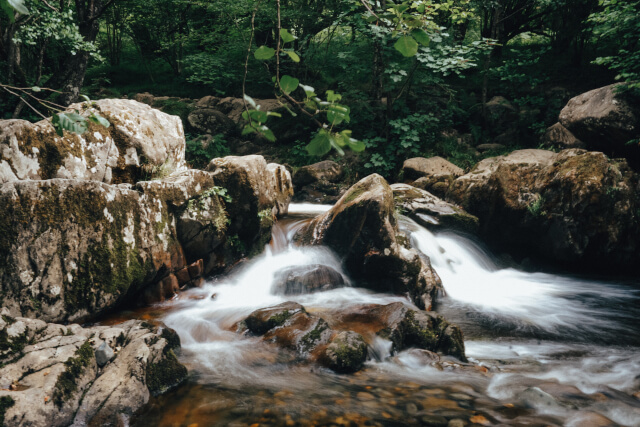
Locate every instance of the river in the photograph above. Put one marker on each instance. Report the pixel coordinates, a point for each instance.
(545, 349)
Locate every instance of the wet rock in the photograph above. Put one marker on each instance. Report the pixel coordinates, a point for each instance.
(362, 229)
(104, 354)
(306, 279)
(259, 193)
(574, 207)
(456, 422)
(605, 120)
(346, 353)
(140, 141)
(432, 212)
(434, 421)
(70, 249)
(533, 397)
(261, 321)
(326, 170)
(589, 419)
(58, 368)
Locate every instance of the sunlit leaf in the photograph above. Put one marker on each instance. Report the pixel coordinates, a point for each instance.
(99, 120)
(320, 144)
(421, 36)
(288, 84)
(263, 53)
(286, 36)
(407, 46)
(294, 56)
(19, 6)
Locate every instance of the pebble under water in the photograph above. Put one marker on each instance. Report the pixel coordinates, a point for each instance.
(544, 349)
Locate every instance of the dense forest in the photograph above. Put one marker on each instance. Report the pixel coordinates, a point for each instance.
(395, 79)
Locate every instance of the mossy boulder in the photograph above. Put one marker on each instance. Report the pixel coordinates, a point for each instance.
(306, 279)
(259, 193)
(72, 249)
(346, 353)
(140, 142)
(362, 229)
(431, 211)
(577, 208)
(57, 369)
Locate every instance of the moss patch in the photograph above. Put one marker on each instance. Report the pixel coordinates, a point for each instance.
(75, 366)
(165, 374)
(310, 339)
(6, 402)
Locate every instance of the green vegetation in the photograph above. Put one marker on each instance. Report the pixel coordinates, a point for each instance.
(386, 80)
(75, 366)
(6, 402)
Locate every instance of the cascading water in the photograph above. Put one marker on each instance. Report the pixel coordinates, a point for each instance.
(529, 329)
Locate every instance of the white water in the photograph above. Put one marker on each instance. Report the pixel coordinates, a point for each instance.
(568, 313)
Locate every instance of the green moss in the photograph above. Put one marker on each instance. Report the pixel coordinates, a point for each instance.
(165, 374)
(12, 345)
(66, 385)
(354, 193)
(6, 402)
(278, 319)
(309, 340)
(417, 334)
(347, 357)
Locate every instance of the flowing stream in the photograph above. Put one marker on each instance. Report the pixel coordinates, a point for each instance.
(545, 349)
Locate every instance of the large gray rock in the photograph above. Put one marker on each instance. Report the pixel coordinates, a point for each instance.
(51, 376)
(346, 353)
(558, 136)
(432, 212)
(72, 249)
(575, 207)
(140, 142)
(326, 170)
(306, 279)
(604, 120)
(362, 229)
(434, 174)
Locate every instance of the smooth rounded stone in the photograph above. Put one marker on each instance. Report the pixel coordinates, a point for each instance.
(306, 279)
(435, 168)
(456, 423)
(104, 354)
(346, 353)
(460, 396)
(326, 170)
(589, 419)
(434, 421)
(558, 136)
(262, 320)
(411, 408)
(534, 397)
(363, 395)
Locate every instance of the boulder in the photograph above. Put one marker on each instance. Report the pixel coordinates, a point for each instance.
(139, 142)
(306, 279)
(346, 353)
(405, 327)
(210, 121)
(71, 249)
(605, 120)
(362, 229)
(51, 376)
(558, 136)
(434, 174)
(575, 207)
(327, 170)
(259, 193)
(432, 212)
(501, 115)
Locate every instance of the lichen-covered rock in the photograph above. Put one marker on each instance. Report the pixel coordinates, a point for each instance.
(53, 378)
(71, 249)
(326, 170)
(346, 353)
(213, 122)
(319, 183)
(432, 212)
(575, 207)
(306, 279)
(605, 121)
(140, 142)
(403, 326)
(259, 193)
(362, 229)
(434, 174)
(558, 136)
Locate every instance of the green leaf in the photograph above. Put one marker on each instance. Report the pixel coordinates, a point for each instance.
(336, 144)
(99, 120)
(8, 10)
(19, 6)
(266, 133)
(333, 97)
(286, 36)
(263, 53)
(86, 98)
(320, 144)
(337, 113)
(355, 145)
(258, 116)
(421, 36)
(309, 91)
(250, 100)
(294, 56)
(35, 89)
(274, 114)
(288, 84)
(248, 129)
(71, 122)
(407, 46)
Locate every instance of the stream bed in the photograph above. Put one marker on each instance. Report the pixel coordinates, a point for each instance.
(544, 349)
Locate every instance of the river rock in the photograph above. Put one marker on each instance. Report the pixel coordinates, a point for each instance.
(104, 354)
(405, 327)
(605, 120)
(575, 207)
(434, 174)
(346, 353)
(56, 380)
(139, 142)
(259, 193)
(210, 121)
(305, 279)
(501, 115)
(326, 170)
(362, 229)
(70, 249)
(432, 212)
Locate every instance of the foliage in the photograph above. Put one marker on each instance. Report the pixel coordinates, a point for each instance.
(199, 152)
